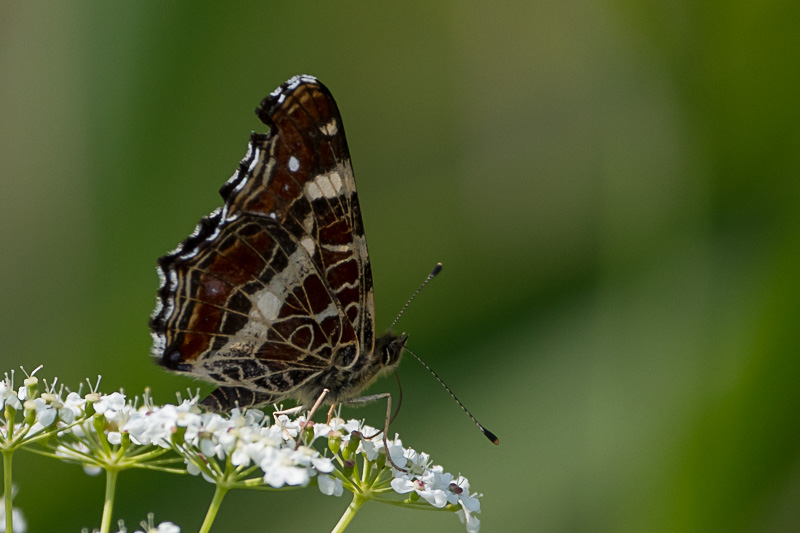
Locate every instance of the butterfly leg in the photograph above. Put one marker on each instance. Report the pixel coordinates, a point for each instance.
(290, 411)
(227, 398)
(361, 400)
(310, 416)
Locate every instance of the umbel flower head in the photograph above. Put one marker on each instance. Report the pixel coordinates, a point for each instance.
(242, 450)
(246, 450)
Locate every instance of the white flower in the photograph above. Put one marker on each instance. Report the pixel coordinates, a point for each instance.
(247, 453)
(22, 393)
(142, 430)
(250, 417)
(329, 486)
(370, 449)
(194, 470)
(432, 485)
(92, 470)
(473, 522)
(470, 502)
(373, 447)
(320, 430)
(110, 404)
(45, 413)
(8, 396)
(156, 425)
(401, 456)
(291, 428)
(116, 412)
(323, 465)
(280, 468)
(72, 408)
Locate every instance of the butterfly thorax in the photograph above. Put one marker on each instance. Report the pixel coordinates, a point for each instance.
(350, 375)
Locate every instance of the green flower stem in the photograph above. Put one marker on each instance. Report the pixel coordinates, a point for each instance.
(108, 504)
(417, 505)
(350, 512)
(7, 454)
(216, 502)
(149, 455)
(157, 468)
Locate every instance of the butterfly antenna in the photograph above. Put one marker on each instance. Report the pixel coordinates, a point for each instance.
(488, 434)
(434, 272)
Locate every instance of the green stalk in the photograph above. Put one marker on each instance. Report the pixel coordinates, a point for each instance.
(216, 502)
(7, 489)
(108, 504)
(349, 513)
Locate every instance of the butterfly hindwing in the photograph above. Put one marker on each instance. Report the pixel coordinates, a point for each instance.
(274, 286)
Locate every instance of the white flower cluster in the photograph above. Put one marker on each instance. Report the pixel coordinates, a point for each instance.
(438, 487)
(40, 412)
(247, 439)
(243, 438)
(240, 450)
(430, 482)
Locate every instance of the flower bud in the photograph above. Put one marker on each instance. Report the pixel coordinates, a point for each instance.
(30, 411)
(334, 441)
(347, 467)
(352, 445)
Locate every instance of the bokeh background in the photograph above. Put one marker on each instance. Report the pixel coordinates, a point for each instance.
(612, 187)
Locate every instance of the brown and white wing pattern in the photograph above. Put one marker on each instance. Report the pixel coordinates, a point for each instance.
(271, 297)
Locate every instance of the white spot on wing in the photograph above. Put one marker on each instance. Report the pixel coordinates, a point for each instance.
(336, 181)
(308, 244)
(294, 164)
(268, 304)
(330, 129)
(308, 223)
(268, 301)
(312, 190)
(324, 186)
(328, 312)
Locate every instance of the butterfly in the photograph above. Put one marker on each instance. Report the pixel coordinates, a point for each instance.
(271, 297)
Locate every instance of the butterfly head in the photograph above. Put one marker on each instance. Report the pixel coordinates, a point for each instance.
(388, 349)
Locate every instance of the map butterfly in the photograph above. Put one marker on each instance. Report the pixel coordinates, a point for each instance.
(271, 297)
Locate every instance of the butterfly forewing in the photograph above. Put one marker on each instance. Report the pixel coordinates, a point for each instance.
(275, 288)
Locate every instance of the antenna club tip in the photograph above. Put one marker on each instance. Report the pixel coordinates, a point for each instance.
(491, 436)
(436, 269)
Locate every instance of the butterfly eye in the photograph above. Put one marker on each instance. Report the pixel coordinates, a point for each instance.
(390, 354)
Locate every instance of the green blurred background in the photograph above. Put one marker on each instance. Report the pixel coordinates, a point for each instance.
(612, 188)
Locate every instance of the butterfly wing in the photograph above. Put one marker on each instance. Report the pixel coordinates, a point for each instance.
(272, 286)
